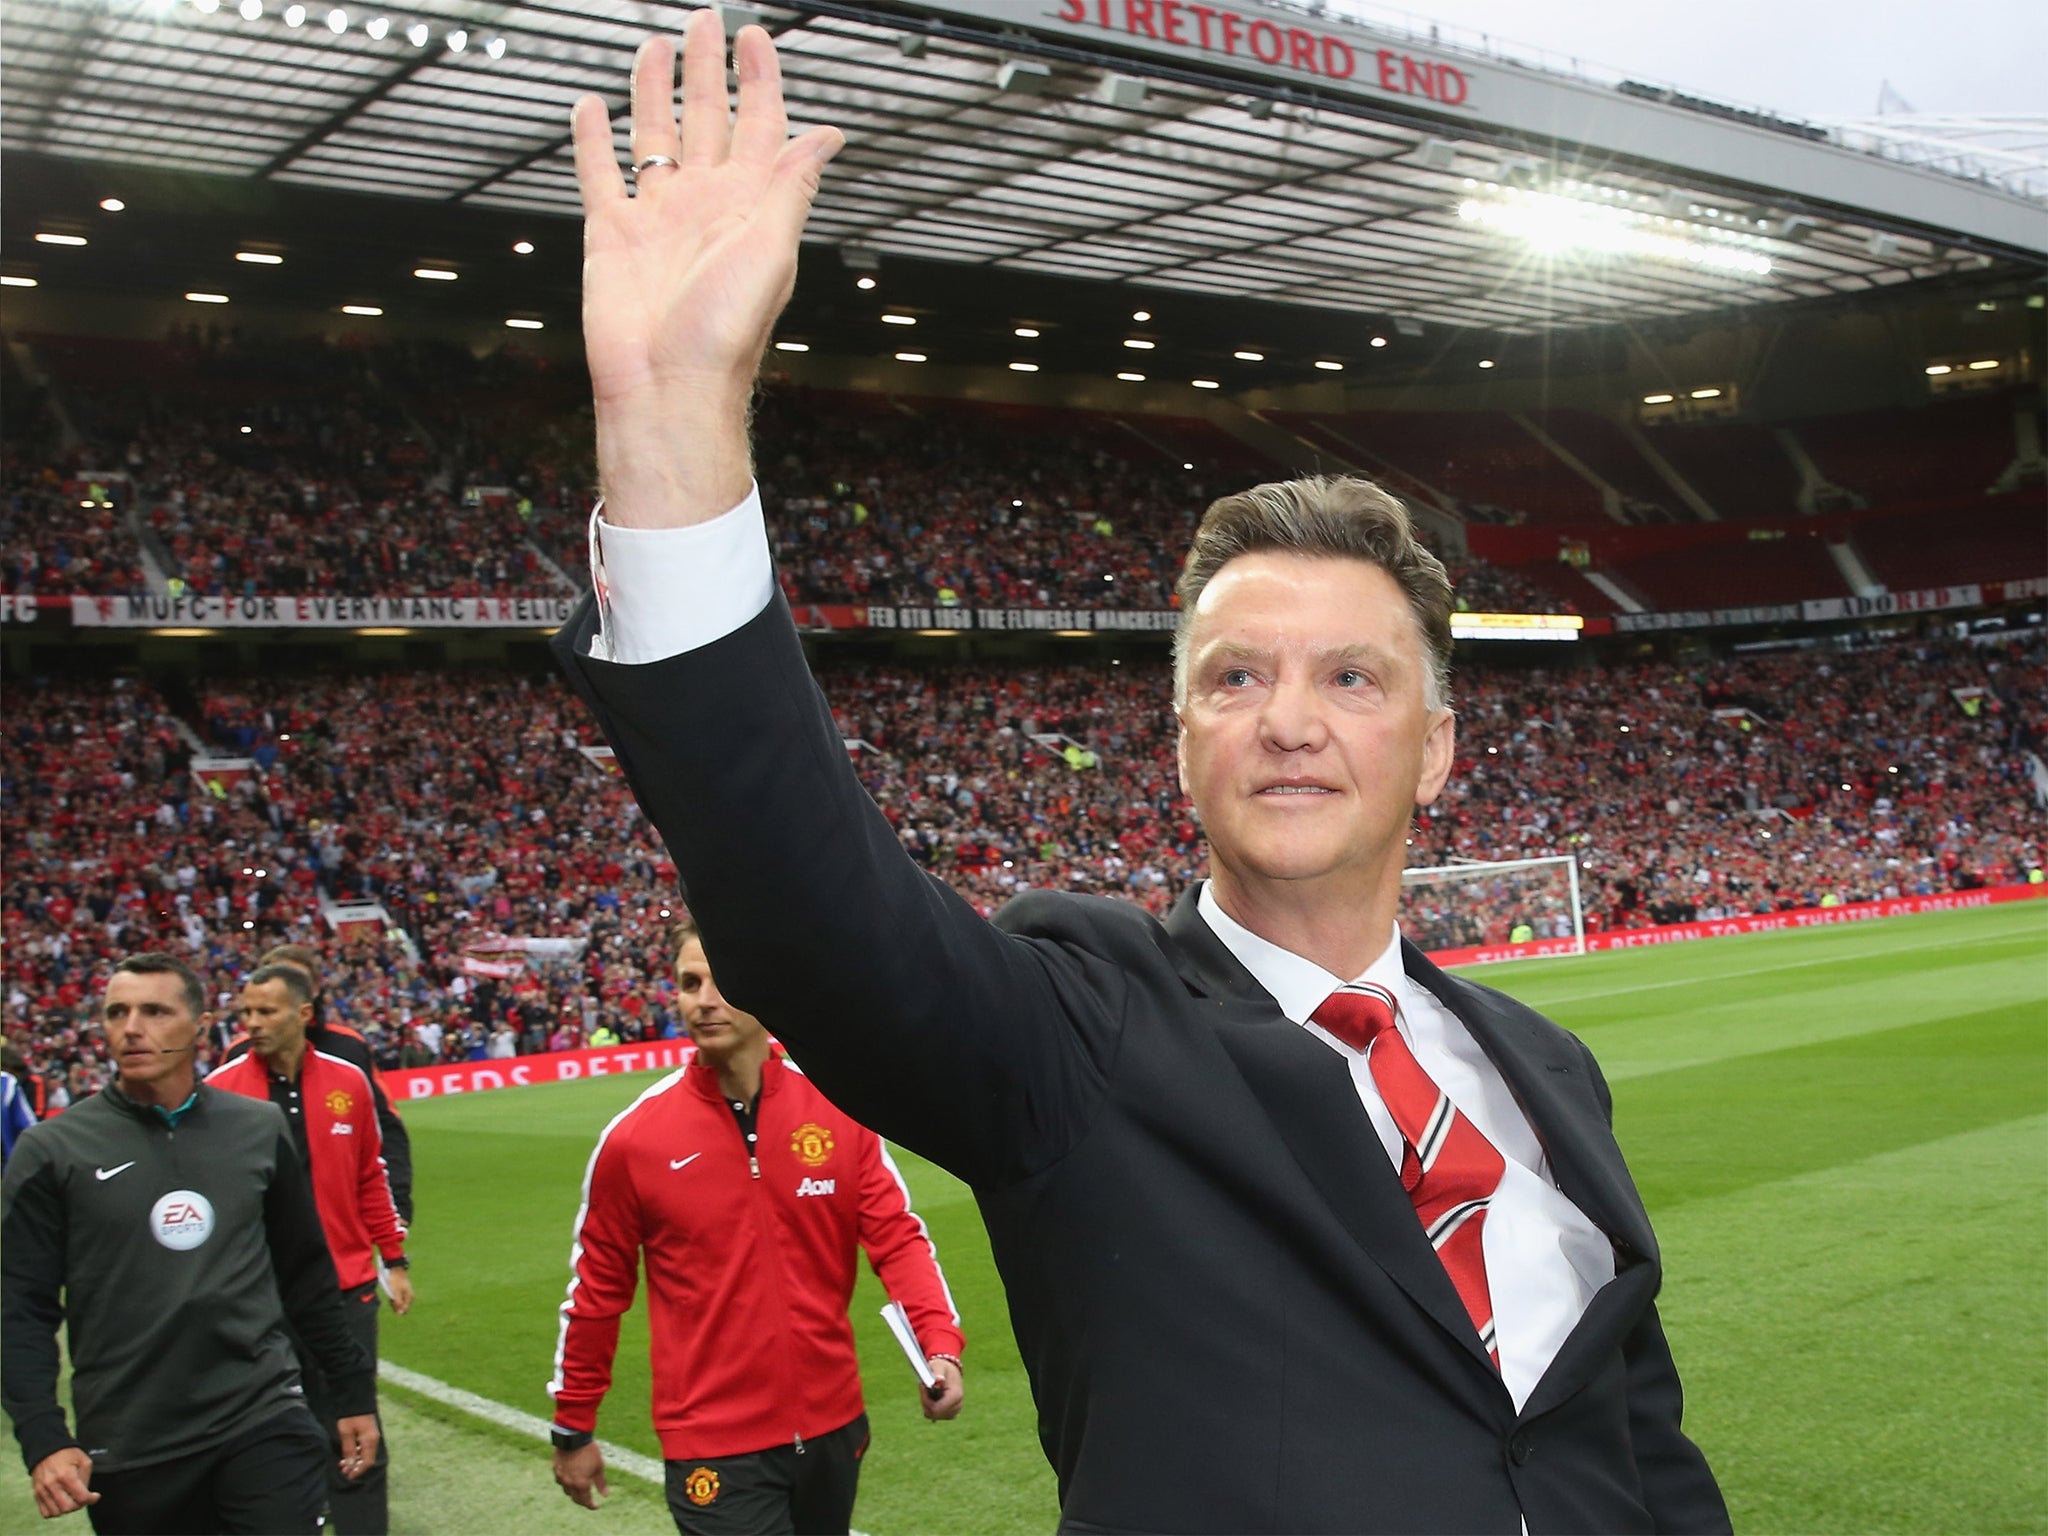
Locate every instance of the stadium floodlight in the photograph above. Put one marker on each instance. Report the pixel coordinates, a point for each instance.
(1249, 357)
(1132, 378)
(45, 237)
(1377, 341)
(418, 34)
(495, 48)
(260, 258)
(12, 281)
(1796, 228)
(206, 298)
(1936, 370)
(1023, 367)
(1135, 343)
(1705, 394)
(521, 323)
(912, 357)
(1553, 224)
(379, 27)
(295, 15)
(370, 310)
(112, 204)
(458, 40)
(792, 346)
(1984, 365)
(899, 319)
(1023, 77)
(1028, 332)
(1205, 383)
(1882, 247)
(337, 21)
(252, 10)
(1469, 905)
(434, 274)
(1329, 365)
(522, 248)
(1126, 91)
(1658, 399)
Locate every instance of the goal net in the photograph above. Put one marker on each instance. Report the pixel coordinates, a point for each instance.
(1532, 901)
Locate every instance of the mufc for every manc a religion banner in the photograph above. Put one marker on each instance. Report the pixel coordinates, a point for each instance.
(320, 612)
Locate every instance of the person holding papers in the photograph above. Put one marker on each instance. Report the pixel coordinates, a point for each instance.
(748, 1194)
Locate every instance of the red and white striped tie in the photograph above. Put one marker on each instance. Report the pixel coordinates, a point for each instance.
(1448, 1167)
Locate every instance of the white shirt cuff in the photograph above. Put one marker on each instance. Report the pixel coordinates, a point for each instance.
(664, 591)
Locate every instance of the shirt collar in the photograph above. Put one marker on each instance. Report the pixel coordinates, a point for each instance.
(1298, 985)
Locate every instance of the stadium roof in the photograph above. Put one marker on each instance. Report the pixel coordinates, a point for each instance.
(1311, 162)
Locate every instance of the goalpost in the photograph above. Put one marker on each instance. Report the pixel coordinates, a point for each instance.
(1471, 903)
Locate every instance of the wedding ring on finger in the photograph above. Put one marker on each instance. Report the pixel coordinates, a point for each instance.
(648, 162)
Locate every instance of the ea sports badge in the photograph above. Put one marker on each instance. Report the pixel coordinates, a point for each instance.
(181, 1220)
(701, 1486)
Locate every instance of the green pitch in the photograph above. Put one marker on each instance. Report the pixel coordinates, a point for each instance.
(1841, 1134)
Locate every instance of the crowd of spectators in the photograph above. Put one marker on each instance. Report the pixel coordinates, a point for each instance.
(262, 467)
(1757, 784)
(250, 467)
(524, 896)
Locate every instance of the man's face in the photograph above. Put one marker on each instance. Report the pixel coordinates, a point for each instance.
(714, 1024)
(151, 1032)
(273, 1019)
(1305, 742)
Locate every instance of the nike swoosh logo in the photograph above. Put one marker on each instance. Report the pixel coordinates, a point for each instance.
(683, 1162)
(103, 1174)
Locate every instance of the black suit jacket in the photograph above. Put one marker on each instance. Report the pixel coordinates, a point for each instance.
(1231, 1317)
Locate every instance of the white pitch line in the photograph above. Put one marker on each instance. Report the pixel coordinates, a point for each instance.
(616, 1457)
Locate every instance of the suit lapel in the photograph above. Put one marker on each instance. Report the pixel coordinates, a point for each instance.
(1306, 1090)
(1549, 1079)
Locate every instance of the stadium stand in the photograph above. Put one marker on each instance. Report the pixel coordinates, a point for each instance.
(1937, 451)
(461, 802)
(1601, 445)
(1736, 573)
(1737, 466)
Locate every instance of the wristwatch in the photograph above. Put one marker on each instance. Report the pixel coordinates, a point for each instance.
(401, 1262)
(569, 1439)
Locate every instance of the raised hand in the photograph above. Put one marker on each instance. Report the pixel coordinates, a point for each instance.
(682, 282)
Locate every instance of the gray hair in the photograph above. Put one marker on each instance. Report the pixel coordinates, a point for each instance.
(1340, 516)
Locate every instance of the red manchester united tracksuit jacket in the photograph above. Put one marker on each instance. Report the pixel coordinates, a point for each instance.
(345, 1150)
(750, 1263)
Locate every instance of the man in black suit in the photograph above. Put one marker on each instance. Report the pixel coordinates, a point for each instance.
(1299, 1233)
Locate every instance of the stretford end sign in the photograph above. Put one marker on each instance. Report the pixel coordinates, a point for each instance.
(1231, 35)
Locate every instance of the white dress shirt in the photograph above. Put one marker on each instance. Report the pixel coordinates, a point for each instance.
(1544, 1257)
(663, 592)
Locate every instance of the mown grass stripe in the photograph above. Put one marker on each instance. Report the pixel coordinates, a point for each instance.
(1757, 1119)
(1864, 1347)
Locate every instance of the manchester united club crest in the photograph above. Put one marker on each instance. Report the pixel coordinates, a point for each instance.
(701, 1486)
(812, 1144)
(339, 1103)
